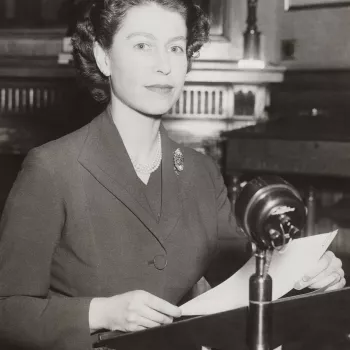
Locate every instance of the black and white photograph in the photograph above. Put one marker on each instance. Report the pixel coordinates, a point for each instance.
(174, 175)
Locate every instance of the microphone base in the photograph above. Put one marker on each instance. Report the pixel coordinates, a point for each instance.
(260, 313)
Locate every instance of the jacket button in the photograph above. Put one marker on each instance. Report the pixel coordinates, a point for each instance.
(160, 262)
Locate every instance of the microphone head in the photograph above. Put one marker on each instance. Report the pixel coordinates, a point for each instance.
(270, 211)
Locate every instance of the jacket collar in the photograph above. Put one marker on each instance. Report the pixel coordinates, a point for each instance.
(105, 157)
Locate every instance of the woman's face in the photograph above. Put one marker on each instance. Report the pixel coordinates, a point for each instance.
(147, 62)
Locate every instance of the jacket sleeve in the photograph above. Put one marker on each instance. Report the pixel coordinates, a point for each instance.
(30, 229)
(231, 251)
(226, 221)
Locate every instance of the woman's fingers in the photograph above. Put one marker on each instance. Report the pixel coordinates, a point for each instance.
(146, 322)
(135, 310)
(330, 273)
(339, 285)
(162, 306)
(147, 318)
(323, 281)
(133, 327)
(155, 316)
(322, 274)
(322, 265)
(146, 310)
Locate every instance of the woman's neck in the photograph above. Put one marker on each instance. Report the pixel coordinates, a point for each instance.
(138, 132)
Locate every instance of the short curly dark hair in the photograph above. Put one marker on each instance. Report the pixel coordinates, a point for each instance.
(99, 20)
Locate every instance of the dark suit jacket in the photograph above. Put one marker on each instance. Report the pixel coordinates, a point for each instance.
(77, 225)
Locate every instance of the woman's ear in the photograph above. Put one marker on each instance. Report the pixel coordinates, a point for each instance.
(102, 59)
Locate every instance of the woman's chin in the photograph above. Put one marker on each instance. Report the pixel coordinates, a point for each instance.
(155, 111)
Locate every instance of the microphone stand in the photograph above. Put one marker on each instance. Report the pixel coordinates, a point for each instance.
(271, 213)
(260, 296)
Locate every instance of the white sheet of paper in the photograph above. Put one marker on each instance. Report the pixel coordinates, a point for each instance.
(285, 269)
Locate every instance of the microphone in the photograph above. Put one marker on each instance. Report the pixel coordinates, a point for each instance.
(270, 211)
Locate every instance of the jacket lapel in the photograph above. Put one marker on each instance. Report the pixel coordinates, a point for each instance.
(172, 185)
(105, 157)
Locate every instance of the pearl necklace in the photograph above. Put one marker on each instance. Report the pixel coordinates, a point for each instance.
(154, 164)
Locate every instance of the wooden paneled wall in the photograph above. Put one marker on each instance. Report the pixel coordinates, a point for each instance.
(311, 92)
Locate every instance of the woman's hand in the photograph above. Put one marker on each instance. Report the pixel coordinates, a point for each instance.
(132, 311)
(327, 272)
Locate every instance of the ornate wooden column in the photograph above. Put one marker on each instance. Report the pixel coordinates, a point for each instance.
(252, 35)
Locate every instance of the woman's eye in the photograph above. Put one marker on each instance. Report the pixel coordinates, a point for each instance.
(143, 46)
(177, 49)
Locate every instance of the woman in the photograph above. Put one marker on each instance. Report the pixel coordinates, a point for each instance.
(109, 227)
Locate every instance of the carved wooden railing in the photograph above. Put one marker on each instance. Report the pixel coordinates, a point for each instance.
(222, 101)
(26, 97)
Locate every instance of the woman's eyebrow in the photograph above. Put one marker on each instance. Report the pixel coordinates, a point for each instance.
(147, 35)
(177, 38)
(152, 37)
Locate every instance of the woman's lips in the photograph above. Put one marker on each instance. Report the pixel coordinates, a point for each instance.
(160, 89)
